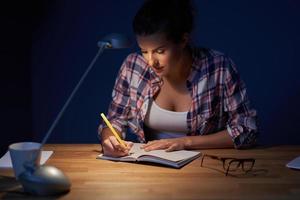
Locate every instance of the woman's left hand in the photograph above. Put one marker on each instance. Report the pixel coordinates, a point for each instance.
(167, 144)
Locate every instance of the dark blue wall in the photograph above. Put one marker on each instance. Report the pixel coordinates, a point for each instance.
(63, 47)
(262, 37)
(16, 24)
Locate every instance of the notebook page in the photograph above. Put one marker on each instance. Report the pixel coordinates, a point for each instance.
(172, 156)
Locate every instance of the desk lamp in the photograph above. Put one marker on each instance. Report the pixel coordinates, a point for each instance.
(49, 180)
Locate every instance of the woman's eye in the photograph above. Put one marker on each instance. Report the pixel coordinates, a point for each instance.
(160, 51)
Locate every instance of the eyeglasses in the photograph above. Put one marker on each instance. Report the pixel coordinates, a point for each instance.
(233, 164)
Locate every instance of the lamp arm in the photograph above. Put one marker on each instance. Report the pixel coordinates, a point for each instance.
(61, 112)
(48, 180)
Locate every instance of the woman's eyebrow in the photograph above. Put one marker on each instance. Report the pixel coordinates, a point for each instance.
(160, 47)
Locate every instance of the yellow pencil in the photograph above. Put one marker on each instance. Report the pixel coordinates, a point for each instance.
(113, 130)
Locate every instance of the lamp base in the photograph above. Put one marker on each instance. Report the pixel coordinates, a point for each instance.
(45, 180)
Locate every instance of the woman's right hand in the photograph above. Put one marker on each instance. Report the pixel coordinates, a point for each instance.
(111, 147)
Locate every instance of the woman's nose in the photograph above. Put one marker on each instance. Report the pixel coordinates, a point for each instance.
(152, 61)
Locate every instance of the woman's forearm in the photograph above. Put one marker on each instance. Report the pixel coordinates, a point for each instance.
(217, 140)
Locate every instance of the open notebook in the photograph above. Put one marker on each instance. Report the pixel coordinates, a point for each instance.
(175, 159)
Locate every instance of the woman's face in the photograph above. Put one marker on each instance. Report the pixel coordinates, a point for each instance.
(162, 55)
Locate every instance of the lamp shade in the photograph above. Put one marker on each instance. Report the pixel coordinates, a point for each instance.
(114, 41)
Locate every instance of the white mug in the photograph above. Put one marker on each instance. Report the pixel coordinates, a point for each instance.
(24, 153)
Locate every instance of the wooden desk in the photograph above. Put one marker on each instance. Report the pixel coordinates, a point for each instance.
(99, 179)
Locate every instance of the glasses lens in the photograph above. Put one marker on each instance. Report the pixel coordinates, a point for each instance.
(248, 165)
(233, 165)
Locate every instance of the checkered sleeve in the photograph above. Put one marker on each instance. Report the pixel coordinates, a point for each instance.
(119, 107)
(242, 121)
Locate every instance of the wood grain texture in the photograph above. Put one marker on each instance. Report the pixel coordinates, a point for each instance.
(100, 179)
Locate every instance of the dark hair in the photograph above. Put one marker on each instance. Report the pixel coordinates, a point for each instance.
(172, 17)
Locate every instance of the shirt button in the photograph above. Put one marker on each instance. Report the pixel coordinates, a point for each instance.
(144, 107)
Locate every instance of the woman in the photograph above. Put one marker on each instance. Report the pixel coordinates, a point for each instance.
(174, 96)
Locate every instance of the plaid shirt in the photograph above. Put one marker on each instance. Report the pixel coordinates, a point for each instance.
(219, 99)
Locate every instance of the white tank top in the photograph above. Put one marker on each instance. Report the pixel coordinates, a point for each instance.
(161, 123)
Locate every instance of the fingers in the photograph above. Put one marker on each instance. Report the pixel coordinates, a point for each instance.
(129, 144)
(148, 144)
(116, 144)
(156, 145)
(172, 147)
(167, 144)
(111, 147)
(151, 143)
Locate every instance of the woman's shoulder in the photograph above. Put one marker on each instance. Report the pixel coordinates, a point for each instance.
(200, 53)
(210, 58)
(136, 68)
(210, 63)
(135, 58)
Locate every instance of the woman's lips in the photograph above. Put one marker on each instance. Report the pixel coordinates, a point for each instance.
(158, 69)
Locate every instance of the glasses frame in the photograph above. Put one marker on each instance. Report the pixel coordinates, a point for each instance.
(240, 162)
